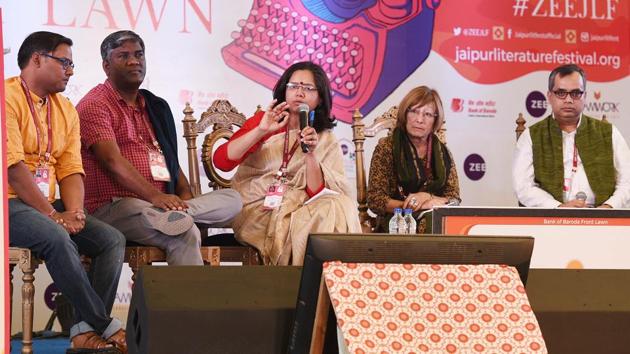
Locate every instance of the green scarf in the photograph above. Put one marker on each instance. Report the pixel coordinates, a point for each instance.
(409, 168)
(594, 143)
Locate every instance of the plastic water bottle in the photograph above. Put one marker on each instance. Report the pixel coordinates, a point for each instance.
(396, 222)
(403, 228)
(411, 221)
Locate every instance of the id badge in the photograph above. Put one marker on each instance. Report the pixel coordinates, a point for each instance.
(158, 167)
(274, 195)
(42, 179)
(566, 189)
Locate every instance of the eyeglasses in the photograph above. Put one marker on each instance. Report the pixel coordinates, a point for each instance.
(562, 94)
(294, 86)
(418, 112)
(65, 63)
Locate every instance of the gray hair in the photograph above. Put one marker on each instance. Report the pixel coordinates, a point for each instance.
(117, 39)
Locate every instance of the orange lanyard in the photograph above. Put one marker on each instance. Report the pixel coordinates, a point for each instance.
(31, 107)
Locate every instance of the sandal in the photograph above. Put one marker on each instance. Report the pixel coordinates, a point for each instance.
(91, 342)
(119, 340)
(168, 222)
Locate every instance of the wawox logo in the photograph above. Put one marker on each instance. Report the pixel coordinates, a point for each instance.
(457, 31)
(599, 107)
(536, 104)
(475, 167)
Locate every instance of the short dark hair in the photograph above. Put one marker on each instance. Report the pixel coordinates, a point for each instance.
(323, 119)
(39, 42)
(117, 39)
(565, 70)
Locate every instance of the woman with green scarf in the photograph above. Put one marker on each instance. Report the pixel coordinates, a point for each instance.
(411, 168)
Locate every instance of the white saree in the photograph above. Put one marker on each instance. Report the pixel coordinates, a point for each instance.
(280, 235)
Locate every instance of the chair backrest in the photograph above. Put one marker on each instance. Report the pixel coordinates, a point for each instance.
(223, 117)
(521, 122)
(386, 121)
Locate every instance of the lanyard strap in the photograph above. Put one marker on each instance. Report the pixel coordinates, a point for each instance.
(286, 154)
(31, 107)
(427, 163)
(567, 181)
(154, 141)
(575, 157)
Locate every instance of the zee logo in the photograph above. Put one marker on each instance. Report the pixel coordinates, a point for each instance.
(536, 104)
(475, 167)
(50, 294)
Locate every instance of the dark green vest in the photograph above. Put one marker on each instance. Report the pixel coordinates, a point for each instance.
(594, 143)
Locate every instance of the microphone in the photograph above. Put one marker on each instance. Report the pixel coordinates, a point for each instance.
(303, 109)
(580, 196)
(451, 202)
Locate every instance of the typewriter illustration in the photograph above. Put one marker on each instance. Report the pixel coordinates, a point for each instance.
(367, 47)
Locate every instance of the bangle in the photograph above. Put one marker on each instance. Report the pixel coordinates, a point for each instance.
(52, 213)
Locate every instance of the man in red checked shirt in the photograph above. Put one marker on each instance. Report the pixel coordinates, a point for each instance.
(129, 149)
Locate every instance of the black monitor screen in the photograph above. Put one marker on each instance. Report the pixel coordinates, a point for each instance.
(384, 248)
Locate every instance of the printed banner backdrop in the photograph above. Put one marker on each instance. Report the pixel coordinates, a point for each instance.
(488, 59)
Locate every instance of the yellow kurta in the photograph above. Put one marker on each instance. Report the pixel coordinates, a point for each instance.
(280, 235)
(65, 158)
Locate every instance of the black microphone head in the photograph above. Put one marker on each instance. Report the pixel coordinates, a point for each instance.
(304, 108)
(580, 196)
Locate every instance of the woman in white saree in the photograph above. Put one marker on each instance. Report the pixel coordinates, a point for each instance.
(287, 192)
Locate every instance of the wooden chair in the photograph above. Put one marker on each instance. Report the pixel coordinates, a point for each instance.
(386, 121)
(137, 255)
(521, 122)
(23, 258)
(224, 118)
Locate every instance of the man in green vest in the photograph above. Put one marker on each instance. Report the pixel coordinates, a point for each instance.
(570, 159)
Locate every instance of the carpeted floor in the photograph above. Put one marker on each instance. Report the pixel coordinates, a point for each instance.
(43, 346)
(48, 343)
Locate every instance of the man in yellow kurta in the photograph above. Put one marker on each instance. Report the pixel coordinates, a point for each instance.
(43, 151)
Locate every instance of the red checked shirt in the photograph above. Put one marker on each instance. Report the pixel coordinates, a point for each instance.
(105, 116)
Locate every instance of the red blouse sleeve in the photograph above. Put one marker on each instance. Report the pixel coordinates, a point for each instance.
(222, 162)
(220, 158)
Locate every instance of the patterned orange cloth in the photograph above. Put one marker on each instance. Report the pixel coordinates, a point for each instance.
(405, 308)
